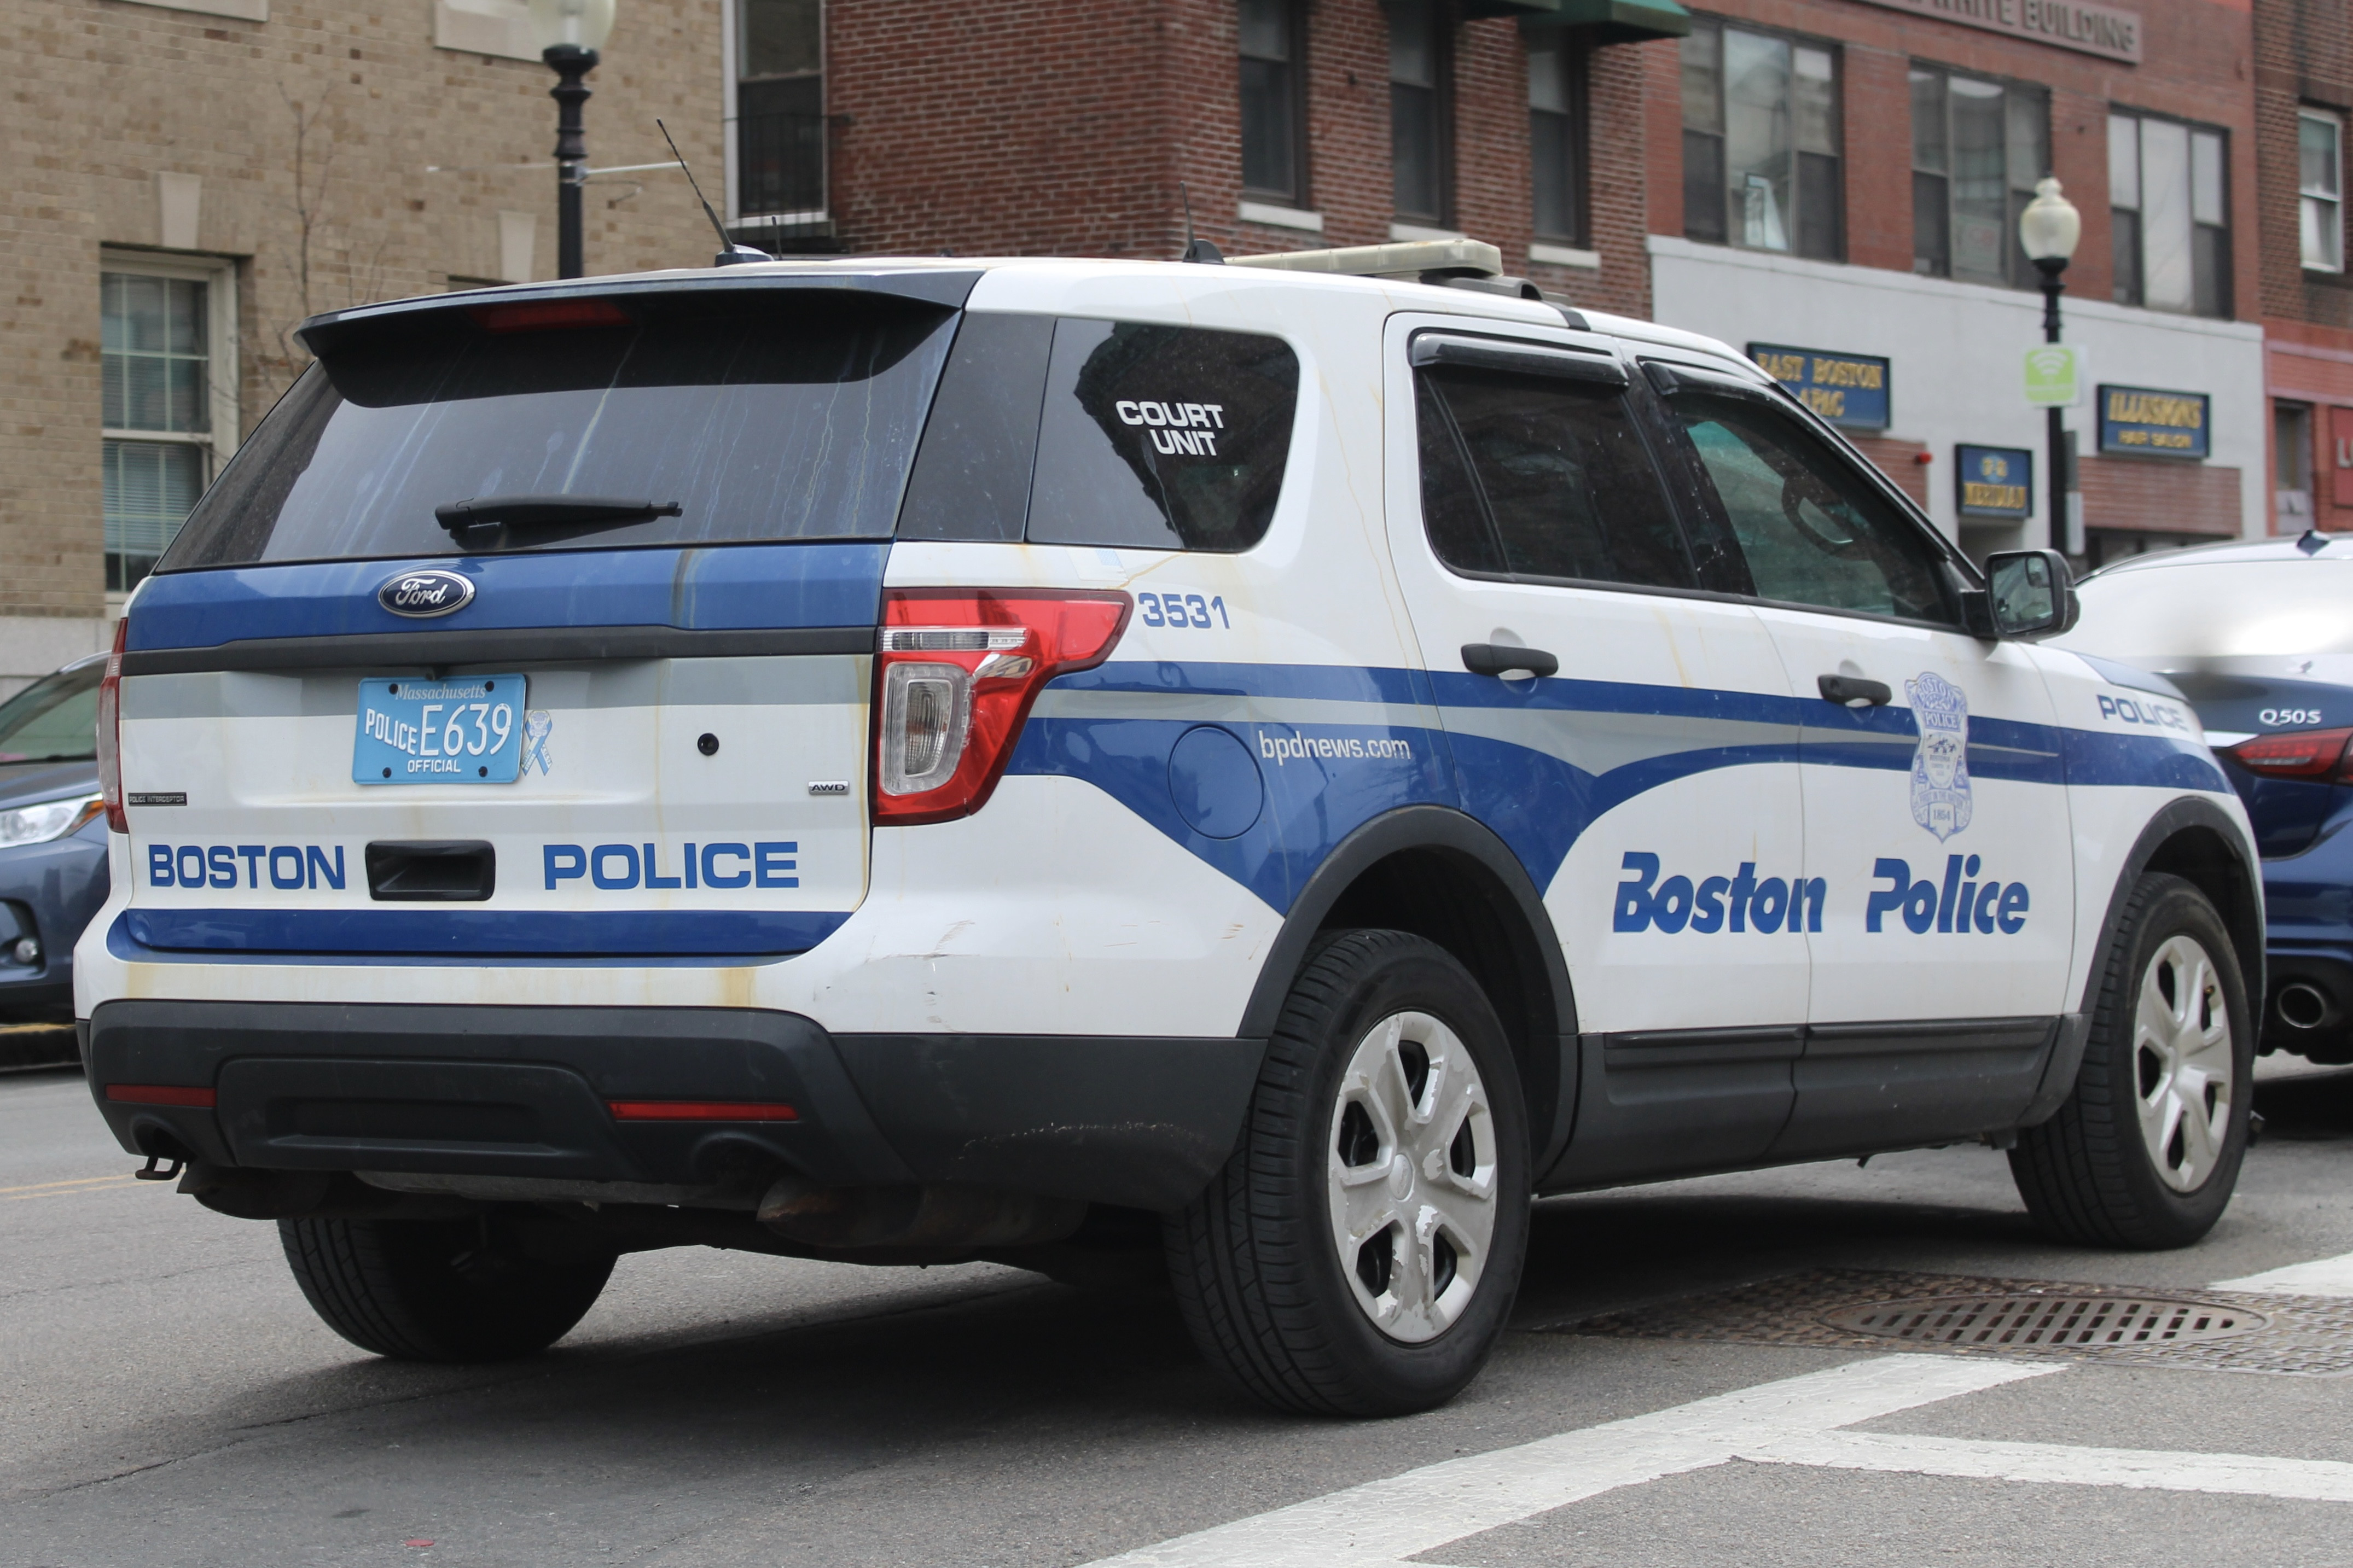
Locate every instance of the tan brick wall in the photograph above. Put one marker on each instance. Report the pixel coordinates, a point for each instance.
(106, 93)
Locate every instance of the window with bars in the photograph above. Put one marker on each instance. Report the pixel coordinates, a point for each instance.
(1419, 111)
(780, 108)
(1272, 52)
(164, 379)
(2169, 215)
(1556, 137)
(1978, 148)
(2320, 189)
(1761, 143)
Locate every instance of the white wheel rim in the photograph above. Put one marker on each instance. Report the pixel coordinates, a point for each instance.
(1411, 1177)
(2182, 1064)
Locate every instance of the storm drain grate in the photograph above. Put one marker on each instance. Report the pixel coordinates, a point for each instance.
(2213, 1331)
(1994, 1322)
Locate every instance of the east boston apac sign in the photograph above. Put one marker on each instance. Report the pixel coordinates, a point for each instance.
(2138, 422)
(2108, 31)
(1845, 389)
(1994, 481)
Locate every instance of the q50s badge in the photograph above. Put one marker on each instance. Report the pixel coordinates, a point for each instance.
(420, 595)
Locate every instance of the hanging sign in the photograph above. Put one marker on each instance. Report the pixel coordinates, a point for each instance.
(2054, 376)
(2140, 421)
(1994, 481)
(1845, 389)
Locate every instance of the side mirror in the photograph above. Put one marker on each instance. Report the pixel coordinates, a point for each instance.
(2031, 594)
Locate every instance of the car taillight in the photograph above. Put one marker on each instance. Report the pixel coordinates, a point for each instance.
(109, 737)
(2295, 754)
(957, 671)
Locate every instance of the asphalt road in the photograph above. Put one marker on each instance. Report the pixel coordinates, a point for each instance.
(166, 1397)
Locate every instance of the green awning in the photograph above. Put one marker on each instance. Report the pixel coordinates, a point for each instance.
(1610, 21)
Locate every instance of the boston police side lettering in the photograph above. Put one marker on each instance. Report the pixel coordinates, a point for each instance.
(1963, 904)
(1737, 903)
(289, 866)
(614, 867)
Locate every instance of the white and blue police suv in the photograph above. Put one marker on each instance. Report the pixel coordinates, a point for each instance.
(905, 760)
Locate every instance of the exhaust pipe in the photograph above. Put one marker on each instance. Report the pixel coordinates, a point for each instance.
(937, 1215)
(2301, 1004)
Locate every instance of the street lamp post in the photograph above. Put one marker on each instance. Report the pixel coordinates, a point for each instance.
(2048, 230)
(569, 33)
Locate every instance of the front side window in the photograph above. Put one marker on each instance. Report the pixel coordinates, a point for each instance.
(1529, 478)
(1761, 143)
(1977, 148)
(1162, 438)
(780, 108)
(1272, 121)
(1419, 112)
(2167, 214)
(2320, 189)
(1812, 530)
(157, 368)
(1557, 136)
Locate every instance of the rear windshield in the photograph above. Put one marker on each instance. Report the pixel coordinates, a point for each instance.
(55, 719)
(761, 415)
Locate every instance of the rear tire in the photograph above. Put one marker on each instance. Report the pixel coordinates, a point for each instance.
(1389, 1099)
(2146, 1151)
(436, 1290)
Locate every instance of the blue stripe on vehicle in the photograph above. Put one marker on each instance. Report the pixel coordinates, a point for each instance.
(466, 934)
(735, 587)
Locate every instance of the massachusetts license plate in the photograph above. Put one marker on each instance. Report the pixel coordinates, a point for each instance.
(464, 729)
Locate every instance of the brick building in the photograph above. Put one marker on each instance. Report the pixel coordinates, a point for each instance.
(2303, 91)
(1832, 182)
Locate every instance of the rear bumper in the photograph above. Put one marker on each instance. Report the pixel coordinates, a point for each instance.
(526, 1091)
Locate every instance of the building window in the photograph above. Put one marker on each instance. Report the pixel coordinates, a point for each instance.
(2292, 466)
(780, 108)
(1978, 148)
(2320, 189)
(2167, 215)
(1419, 112)
(1273, 155)
(1556, 147)
(1761, 143)
(167, 337)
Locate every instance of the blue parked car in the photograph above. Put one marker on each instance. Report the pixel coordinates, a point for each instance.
(52, 838)
(2257, 636)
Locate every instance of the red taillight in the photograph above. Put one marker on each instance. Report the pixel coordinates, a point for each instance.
(957, 672)
(2296, 753)
(549, 315)
(110, 733)
(700, 1111)
(159, 1094)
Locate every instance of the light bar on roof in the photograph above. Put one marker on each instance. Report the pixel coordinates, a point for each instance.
(1405, 258)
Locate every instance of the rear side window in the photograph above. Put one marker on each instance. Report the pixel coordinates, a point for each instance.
(765, 415)
(1812, 530)
(1532, 476)
(1162, 438)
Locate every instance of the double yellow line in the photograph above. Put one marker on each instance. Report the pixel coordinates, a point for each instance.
(64, 1189)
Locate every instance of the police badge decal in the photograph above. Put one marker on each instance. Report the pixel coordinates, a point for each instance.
(1940, 766)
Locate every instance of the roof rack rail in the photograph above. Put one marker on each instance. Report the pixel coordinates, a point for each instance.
(1405, 258)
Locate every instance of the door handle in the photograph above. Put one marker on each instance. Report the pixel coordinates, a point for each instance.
(1495, 658)
(1852, 691)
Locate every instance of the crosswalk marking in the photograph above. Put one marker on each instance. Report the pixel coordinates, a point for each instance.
(2323, 1276)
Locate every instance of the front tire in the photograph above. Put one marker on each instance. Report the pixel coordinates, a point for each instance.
(436, 1290)
(1358, 1255)
(2146, 1151)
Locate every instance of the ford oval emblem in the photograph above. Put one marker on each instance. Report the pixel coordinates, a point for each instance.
(420, 595)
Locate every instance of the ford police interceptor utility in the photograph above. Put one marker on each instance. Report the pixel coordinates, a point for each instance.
(911, 760)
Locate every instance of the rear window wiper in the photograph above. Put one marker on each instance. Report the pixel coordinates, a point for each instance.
(549, 512)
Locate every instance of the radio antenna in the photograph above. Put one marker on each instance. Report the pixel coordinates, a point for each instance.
(730, 252)
(1196, 249)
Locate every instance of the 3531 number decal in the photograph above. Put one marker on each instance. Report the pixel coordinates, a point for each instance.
(1191, 610)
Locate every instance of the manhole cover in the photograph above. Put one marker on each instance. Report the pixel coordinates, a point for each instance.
(2053, 1322)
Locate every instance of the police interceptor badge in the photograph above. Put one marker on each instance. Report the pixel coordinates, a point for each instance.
(422, 594)
(1940, 765)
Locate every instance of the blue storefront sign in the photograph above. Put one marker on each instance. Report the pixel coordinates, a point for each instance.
(2141, 422)
(1994, 481)
(1845, 389)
